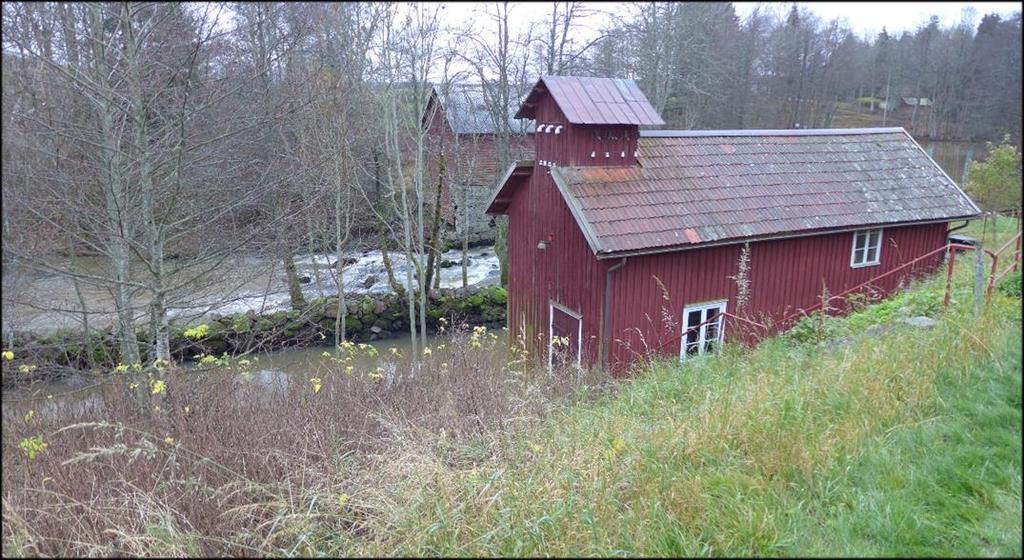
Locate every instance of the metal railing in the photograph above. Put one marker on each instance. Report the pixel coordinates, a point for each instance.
(995, 277)
(949, 248)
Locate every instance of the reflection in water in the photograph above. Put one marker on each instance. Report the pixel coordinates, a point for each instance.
(272, 371)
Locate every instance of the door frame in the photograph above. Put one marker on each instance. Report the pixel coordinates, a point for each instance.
(552, 305)
(702, 306)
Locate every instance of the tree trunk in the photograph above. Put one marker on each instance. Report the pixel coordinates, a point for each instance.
(159, 331)
(294, 287)
(465, 240)
(433, 247)
(389, 269)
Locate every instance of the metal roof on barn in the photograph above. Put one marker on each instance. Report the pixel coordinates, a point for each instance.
(697, 187)
(593, 101)
(467, 111)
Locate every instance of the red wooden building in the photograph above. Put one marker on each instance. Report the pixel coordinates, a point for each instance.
(460, 125)
(621, 239)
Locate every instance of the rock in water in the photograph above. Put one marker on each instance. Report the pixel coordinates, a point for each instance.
(347, 261)
(370, 281)
(304, 279)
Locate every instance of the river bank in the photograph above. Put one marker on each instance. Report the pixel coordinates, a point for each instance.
(368, 317)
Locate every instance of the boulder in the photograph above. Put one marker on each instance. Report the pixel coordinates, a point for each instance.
(920, 321)
(347, 261)
(305, 279)
(353, 324)
(370, 281)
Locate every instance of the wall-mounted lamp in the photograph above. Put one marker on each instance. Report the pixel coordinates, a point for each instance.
(541, 245)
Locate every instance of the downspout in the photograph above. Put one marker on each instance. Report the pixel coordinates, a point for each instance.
(606, 312)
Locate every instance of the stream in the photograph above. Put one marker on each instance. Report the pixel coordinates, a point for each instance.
(42, 303)
(271, 370)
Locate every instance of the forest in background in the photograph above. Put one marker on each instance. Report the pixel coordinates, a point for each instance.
(164, 139)
(704, 67)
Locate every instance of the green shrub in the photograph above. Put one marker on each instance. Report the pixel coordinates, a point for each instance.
(241, 323)
(1010, 286)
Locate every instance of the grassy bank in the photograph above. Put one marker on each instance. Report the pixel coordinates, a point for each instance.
(879, 440)
(906, 443)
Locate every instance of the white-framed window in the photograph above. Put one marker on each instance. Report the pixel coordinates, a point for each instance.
(565, 336)
(708, 318)
(867, 248)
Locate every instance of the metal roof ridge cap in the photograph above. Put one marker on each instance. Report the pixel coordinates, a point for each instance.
(576, 210)
(768, 132)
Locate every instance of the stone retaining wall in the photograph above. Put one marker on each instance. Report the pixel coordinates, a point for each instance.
(368, 318)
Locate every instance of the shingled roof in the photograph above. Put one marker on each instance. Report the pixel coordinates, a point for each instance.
(698, 187)
(593, 101)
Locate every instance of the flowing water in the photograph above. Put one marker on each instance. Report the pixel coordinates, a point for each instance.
(44, 302)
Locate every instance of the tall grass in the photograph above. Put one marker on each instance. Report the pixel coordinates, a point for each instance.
(220, 464)
(900, 441)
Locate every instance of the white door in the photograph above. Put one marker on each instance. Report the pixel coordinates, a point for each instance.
(565, 336)
(707, 336)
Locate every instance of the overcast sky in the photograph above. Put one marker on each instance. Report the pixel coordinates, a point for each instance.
(865, 18)
(869, 17)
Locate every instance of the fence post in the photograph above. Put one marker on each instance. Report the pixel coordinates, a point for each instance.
(1016, 254)
(950, 263)
(979, 278)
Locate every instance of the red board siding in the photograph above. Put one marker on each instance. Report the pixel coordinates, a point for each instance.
(785, 275)
(565, 272)
(650, 291)
(575, 143)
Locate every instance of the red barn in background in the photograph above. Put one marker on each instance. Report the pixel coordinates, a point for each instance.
(621, 239)
(461, 126)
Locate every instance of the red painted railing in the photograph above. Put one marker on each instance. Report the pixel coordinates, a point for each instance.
(950, 247)
(993, 277)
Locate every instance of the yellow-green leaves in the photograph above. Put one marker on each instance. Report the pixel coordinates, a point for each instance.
(197, 332)
(32, 446)
(157, 386)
